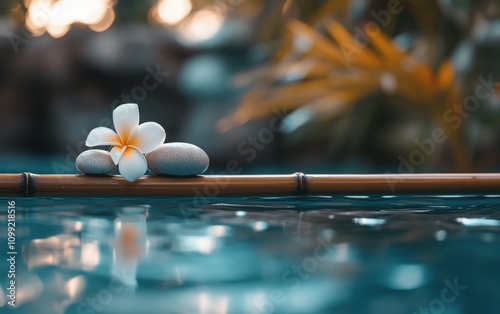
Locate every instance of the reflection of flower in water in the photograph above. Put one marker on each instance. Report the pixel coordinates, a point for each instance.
(130, 245)
(126, 244)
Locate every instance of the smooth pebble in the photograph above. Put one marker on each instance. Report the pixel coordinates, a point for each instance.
(95, 161)
(178, 159)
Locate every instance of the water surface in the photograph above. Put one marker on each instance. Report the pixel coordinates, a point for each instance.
(329, 254)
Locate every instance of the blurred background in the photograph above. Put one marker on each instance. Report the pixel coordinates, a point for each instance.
(278, 86)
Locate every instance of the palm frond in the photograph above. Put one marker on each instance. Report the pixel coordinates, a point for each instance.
(326, 71)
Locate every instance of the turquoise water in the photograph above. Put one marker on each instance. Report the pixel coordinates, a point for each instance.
(377, 254)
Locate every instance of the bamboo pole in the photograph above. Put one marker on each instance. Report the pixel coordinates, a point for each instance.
(28, 184)
(12, 184)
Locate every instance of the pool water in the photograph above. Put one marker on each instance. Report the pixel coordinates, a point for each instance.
(330, 254)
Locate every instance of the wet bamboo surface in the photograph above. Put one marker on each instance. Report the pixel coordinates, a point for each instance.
(28, 184)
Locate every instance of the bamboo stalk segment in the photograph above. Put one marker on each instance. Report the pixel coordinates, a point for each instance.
(27, 184)
(206, 186)
(13, 184)
(404, 184)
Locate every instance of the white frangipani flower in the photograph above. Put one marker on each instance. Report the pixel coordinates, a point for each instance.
(130, 141)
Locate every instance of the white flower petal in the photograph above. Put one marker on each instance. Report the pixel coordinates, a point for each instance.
(147, 137)
(133, 164)
(126, 119)
(102, 136)
(117, 153)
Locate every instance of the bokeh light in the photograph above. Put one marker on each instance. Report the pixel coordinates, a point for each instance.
(201, 25)
(56, 17)
(171, 12)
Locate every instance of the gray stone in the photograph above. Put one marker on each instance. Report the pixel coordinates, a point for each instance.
(178, 159)
(95, 161)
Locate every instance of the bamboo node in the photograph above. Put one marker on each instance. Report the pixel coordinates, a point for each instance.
(301, 183)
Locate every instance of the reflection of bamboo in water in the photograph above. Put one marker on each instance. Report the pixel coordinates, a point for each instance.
(27, 184)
